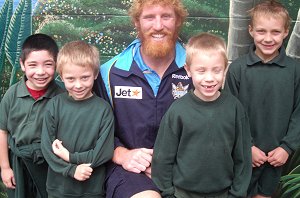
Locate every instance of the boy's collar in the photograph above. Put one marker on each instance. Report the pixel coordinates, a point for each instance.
(279, 60)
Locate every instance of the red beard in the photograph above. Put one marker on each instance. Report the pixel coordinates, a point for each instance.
(158, 49)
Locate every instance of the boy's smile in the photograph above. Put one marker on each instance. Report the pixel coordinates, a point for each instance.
(39, 68)
(207, 71)
(78, 81)
(268, 33)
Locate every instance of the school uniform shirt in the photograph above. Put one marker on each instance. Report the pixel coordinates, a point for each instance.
(203, 148)
(86, 129)
(270, 93)
(21, 115)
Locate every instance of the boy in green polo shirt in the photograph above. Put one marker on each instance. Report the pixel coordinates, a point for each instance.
(23, 168)
(78, 128)
(267, 82)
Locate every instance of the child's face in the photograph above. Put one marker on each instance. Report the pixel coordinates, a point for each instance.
(207, 71)
(78, 81)
(268, 34)
(39, 68)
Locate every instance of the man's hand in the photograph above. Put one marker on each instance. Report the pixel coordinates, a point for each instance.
(148, 172)
(258, 157)
(8, 178)
(83, 172)
(135, 160)
(278, 157)
(60, 150)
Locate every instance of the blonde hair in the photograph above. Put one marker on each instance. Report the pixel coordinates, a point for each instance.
(203, 42)
(270, 8)
(137, 7)
(78, 53)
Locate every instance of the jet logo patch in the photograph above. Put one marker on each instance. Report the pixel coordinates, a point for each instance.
(128, 92)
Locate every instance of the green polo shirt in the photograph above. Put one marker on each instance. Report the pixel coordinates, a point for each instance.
(22, 115)
(270, 93)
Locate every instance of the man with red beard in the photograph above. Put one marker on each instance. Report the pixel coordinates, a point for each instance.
(141, 83)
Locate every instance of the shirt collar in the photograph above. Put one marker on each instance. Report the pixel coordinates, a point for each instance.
(22, 90)
(279, 60)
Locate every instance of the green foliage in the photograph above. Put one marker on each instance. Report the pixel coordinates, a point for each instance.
(105, 23)
(2, 190)
(207, 8)
(290, 181)
(18, 31)
(291, 184)
(5, 15)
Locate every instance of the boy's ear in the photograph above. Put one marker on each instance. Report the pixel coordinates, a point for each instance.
(96, 76)
(250, 29)
(286, 33)
(187, 69)
(22, 65)
(60, 76)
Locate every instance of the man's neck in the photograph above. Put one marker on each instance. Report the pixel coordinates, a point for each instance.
(158, 64)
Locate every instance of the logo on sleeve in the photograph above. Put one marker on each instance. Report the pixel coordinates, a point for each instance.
(128, 92)
(179, 90)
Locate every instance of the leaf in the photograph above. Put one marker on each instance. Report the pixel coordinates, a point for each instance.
(5, 16)
(297, 186)
(296, 170)
(19, 29)
(293, 181)
(289, 176)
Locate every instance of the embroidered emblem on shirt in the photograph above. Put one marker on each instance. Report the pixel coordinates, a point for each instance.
(128, 92)
(179, 90)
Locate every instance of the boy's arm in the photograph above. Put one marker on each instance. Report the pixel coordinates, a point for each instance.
(232, 83)
(48, 136)
(165, 151)
(104, 147)
(242, 160)
(60, 150)
(7, 173)
(291, 141)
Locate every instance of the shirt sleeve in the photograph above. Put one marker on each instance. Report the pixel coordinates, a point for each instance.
(4, 109)
(232, 83)
(242, 158)
(291, 141)
(49, 130)
(165, 150)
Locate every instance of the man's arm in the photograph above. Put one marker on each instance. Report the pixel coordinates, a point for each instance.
(135, 160)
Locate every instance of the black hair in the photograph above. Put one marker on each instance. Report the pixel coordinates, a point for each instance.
(38, 42)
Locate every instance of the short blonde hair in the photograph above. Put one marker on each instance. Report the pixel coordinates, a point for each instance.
(203, 42)
(78, 53)
(137, 7)
(270, 8)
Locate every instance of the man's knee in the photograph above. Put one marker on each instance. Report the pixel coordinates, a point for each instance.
(147, 194)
